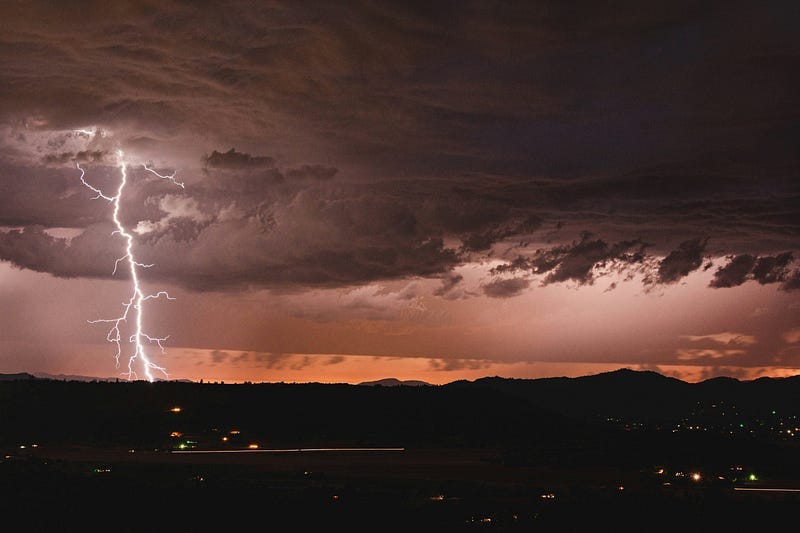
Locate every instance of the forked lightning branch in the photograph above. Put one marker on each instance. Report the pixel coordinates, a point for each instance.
(133, 308)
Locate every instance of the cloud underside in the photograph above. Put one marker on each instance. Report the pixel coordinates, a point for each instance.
(312, 238)
(247, 221)
(333, 146)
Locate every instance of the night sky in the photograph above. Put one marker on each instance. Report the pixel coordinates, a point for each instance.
(373, 189)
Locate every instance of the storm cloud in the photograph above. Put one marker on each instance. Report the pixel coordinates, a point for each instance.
(335, 146)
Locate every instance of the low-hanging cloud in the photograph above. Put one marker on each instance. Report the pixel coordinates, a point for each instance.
(765, 270)
(506, 288)
(680, 262)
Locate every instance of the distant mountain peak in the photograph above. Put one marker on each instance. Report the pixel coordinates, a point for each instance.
(629, 373)
(394, 382)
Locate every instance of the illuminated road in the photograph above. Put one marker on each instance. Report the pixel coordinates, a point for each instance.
(295, 450)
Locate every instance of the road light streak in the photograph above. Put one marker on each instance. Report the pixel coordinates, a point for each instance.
(293, 450)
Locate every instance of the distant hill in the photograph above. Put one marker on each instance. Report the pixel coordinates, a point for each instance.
(280, 414)
(16, 377)
(73, 377)
(643, 394)
(393, 382)
(620, 417)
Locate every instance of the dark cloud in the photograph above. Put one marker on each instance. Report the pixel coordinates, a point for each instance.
(236, 160)
(84, 156)
(449, 282)
(772, 269)
(792, 282)
(734, 273)
(479, 241)
(453, 134)
(50, 197)
(219, 356)
(87, 255)
(312, 234)
(333, 360)
(279, 361)
(744, 267)
(578, 261)
(680, 262)
(447, 365)
(506, 288)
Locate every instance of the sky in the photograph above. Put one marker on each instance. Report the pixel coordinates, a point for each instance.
(344, 192)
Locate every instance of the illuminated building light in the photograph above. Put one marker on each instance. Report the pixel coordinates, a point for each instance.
(176, 409)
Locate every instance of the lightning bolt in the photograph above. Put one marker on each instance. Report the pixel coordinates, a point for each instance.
(135, 304)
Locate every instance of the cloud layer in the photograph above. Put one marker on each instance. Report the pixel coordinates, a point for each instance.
(334, 146)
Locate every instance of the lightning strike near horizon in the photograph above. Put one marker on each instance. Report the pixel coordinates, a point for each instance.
(134, 305)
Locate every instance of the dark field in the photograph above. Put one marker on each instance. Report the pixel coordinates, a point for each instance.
(49, 489)
(91, 456)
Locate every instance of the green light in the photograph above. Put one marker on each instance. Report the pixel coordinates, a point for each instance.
(752, 477)
(182, 446)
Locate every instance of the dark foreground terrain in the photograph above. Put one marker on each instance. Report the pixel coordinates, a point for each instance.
(209, 457)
